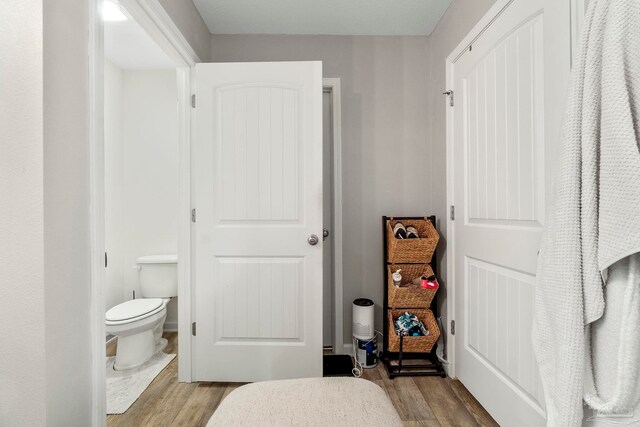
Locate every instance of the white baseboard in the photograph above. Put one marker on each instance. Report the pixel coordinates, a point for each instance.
(171, 326)
(348, 349)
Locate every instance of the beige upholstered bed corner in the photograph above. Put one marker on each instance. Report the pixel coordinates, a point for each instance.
(307, 402)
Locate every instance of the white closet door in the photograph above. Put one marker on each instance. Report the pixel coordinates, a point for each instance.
(509, 94)
(258, 195)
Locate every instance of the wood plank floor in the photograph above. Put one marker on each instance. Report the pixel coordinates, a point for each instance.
(420, 401)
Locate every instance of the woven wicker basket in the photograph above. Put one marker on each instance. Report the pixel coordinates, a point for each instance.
(418, 251)
(408, 295)
(422, 344)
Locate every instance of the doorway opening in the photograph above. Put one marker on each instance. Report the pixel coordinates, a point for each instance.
(141, 195)
(332, 311)
(164, 43)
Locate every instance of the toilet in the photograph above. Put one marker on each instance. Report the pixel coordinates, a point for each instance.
(138, 323)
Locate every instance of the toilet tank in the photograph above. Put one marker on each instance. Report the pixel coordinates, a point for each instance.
(158, 276)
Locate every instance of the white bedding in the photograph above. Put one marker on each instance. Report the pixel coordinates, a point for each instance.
(307, 402)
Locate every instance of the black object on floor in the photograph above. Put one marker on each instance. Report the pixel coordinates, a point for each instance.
(337, 365)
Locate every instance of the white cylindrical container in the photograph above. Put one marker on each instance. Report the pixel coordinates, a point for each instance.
(363, 319)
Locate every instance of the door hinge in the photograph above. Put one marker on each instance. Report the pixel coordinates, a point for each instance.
(193, 329)
(453, 327)
(452, 213)
(449, 93)
(193, 101)
(193, 215)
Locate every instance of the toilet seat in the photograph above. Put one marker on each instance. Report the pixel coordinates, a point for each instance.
(134, 310)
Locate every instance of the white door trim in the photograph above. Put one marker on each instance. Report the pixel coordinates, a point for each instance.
(577, 8)
(154, 19)
(333, 85)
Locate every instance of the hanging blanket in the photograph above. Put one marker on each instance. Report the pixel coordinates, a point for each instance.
(594, 217)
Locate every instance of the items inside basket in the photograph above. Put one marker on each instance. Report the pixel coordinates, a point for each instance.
(411, 241)
(408, 289)
(411, 229)
(408, 324)
(413, 343)
(423, 281)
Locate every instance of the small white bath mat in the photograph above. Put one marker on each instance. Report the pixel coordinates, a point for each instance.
(124, 387)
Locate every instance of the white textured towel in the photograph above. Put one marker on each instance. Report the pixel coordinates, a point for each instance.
(612, 382)
(594, 217)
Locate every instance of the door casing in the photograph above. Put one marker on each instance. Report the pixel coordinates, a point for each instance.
(333, 86)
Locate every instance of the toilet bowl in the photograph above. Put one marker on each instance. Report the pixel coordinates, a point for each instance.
(138, 324)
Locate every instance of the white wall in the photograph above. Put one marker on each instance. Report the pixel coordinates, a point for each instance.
(22, 316)
(386, 150)
(150, 135)
(66, 213)
(44, 214)
(114, 173)
(141, 171)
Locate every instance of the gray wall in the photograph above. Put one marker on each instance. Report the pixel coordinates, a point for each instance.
(44, 224)
(186, 17)
(458, 20)
(392, 107)
(386, 154)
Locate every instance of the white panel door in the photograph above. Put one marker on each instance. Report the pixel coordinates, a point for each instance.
(258, 195)
(509, 89)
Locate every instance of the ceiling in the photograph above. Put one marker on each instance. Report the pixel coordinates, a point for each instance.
(129, 47)
(330, 17)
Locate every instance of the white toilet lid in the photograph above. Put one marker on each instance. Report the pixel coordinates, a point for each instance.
(132, 309)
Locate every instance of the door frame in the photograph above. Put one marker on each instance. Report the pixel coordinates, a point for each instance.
(332, 85)
(153, 18)
(577, 14)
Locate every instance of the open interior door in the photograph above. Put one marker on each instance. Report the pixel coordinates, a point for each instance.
(257, 186)
(510, 87)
